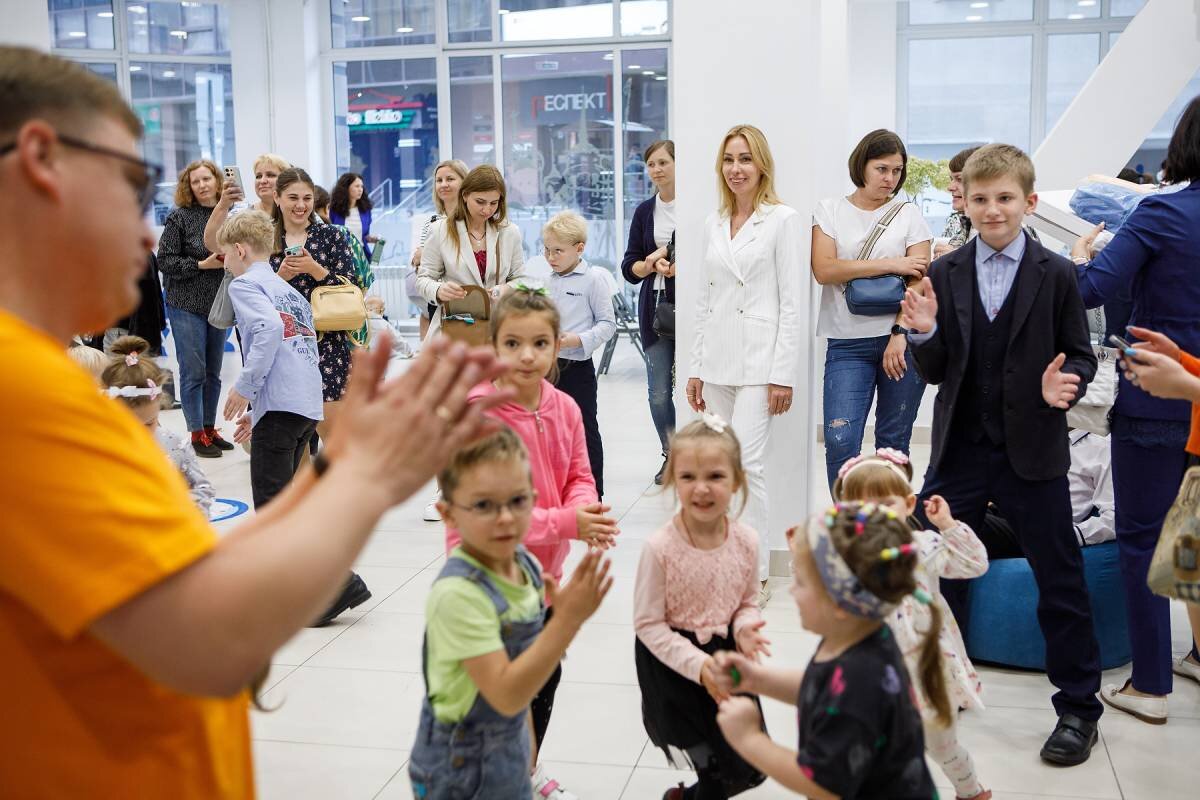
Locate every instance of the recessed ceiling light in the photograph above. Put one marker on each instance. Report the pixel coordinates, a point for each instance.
(360, 19)
(634, 66)
(405, 29)
(136, 9)
(661, 78)
(502, 11)
(76, 34)
(105, 15)
(974, 18)
(607, 56)
(979, 5)
(168, 73)
(135, 68)
(1087, 3)
(1074, 16)
(647, 72)
(179, 34)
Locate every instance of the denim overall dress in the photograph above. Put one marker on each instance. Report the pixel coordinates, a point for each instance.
(486, 754)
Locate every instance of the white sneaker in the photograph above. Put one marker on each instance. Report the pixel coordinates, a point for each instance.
(546, 788)
(431, 510)
(1186, 669)
(1147, 709)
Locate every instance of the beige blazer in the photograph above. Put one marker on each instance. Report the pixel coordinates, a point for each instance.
(441, 262)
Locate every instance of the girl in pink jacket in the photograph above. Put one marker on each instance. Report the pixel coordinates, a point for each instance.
(526, 333)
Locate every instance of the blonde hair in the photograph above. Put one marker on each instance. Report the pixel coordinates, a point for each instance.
(760, 154)
(270, 159)
(460, 169)
(183, 189)
(698, 432)
(873, 478)
(91, 359)
(254, 229)
(1000, 161)
(484, 178)
(503, 445)
(567, 226)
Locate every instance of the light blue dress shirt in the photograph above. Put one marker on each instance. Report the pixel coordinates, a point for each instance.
(585, 306)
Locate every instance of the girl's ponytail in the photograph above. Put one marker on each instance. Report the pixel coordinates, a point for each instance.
(932, 676)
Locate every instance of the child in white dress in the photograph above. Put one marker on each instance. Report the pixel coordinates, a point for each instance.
(953, 551)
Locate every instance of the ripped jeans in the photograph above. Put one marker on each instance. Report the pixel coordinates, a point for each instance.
(853, 376)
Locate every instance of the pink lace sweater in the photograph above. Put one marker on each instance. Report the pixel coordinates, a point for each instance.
(708, 592)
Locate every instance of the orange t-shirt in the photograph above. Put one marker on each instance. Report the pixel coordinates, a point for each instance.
(91, 515)
(1192, 365)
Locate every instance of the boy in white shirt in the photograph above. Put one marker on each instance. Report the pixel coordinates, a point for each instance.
(584, 300)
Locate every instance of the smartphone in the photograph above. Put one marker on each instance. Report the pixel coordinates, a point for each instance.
(294, 250)
(234, 175)
(1118, 342)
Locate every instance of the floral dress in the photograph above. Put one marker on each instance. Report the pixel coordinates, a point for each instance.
(328, 247)
(956, 553)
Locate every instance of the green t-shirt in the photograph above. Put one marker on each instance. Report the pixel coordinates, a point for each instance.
(462, 623)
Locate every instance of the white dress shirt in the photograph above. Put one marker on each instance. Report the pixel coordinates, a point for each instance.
(1092, 505)
(585, 307)
(747, 318)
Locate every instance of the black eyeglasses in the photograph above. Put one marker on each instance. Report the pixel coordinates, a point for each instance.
(490, 509)
(144, 182)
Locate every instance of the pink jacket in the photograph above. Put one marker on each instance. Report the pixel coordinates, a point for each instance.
(561, 473)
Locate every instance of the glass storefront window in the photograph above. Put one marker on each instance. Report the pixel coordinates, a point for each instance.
(644, 17)
(472, 110)
(558, 144)
(104, 69)
(86, 25)
(1125, 8)
(950, 108)
(386, 120)
(372, 23)
(469, 20)
(177, 28)
(1070, 61)
(537, 20)
(187, 113)
(644, 83)
(1074, 9)
(923, 12)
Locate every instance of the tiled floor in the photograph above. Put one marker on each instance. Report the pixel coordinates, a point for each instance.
(346, 697)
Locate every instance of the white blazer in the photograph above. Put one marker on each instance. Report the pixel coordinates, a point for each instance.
(747, 316)
(440, 261)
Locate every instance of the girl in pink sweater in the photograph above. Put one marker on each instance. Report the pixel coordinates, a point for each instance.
(696, 594)
(525, 333)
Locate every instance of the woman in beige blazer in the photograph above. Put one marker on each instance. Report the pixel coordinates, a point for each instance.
(476, 245)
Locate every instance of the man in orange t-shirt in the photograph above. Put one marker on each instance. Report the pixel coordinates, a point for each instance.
(128, 631)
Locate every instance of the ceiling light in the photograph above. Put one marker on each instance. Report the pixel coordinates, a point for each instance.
(647, 72)
(405, 29)
(135, 68)
(105, 15)
(634, 66)
(168, 73)
(502, 11)
(979, 5)
(1074, 16)
(360, 19)
(974, 18)
(1087, 3)
(76, 34)
(136, 9)
(607, 56)
(661, 78)
(179, 34)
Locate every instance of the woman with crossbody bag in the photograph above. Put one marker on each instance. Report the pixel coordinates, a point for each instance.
(859, 244)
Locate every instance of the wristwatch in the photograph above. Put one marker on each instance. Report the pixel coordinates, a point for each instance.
(897, 330)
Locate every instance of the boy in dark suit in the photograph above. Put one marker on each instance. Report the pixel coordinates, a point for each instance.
(1000, 327)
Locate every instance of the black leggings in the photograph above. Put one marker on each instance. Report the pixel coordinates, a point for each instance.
(543, 703)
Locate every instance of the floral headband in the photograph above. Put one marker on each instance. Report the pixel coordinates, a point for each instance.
(892, 459)
(150, 390)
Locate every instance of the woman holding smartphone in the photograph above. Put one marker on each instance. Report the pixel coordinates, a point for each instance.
(266, 171)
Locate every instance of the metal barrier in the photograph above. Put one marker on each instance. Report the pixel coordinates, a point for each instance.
(391, 285)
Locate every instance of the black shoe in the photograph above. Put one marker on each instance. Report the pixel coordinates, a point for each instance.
(1071, 743)
(658, 478)
(354, 594)
(217, 441)
(204, 446)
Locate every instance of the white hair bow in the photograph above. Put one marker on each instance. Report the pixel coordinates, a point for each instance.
(713, 422)
(150, 390)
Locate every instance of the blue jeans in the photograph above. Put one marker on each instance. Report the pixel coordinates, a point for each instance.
(199, 348)
(853, 376)
(660, 376)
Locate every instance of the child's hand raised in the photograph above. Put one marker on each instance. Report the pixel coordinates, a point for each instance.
(1059, 388)
(736, 672)
(918, 309)
(582, 594)
(751, 642)
(710, 680)
(937, 511)
(739, 718)
(594, 527)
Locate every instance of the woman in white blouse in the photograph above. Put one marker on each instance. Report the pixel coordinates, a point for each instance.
(745, 356)
(475, 245)
(867, 357)
(447, 178)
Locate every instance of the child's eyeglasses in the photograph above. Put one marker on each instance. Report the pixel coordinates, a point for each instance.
(490, 509)
(144, 180)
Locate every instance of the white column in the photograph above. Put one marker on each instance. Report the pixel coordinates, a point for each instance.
(1127, 94)
(26, 24)
(760, 64)
(250, 43)
(871, 42)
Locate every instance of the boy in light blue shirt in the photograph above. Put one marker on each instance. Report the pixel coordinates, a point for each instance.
(583, 295)
(280, 375)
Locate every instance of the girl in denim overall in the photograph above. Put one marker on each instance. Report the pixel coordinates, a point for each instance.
(487, 649)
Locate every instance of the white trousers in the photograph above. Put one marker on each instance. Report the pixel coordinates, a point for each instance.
(745, 407)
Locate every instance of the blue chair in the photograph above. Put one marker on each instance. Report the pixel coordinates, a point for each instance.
(1002, 623)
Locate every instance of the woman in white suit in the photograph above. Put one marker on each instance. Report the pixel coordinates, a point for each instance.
(475, 245)
(745, 356)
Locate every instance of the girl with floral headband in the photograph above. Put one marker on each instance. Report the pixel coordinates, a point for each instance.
(135, 380)
(952, 551)
(696, 595)
(526, 333)
(860, 730)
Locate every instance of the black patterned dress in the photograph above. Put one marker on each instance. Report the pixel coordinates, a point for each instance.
(328, 248)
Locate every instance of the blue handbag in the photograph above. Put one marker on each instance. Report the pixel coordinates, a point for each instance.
(880, 295)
